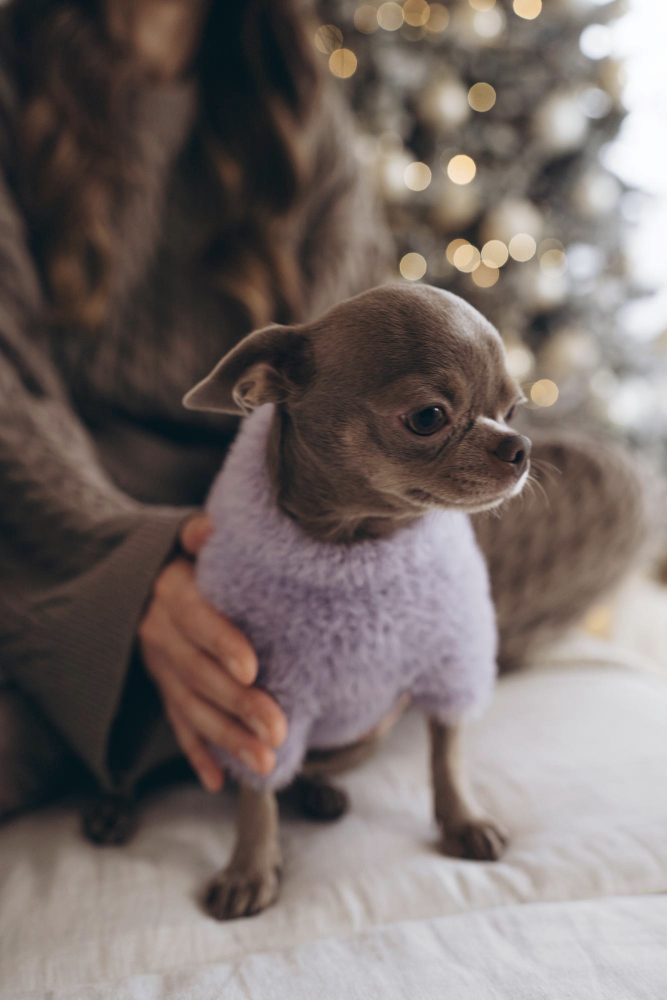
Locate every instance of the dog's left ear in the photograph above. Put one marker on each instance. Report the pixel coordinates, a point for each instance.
(268, 366)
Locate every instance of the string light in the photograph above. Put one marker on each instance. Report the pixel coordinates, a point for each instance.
(366, 19)
(495, 253)
(466, 258)
(485, 276)
(417, 176)
(528, 9)
(596, 41)
(461, 169)
(544, 392)
(481, 97)
(416, 12)
(438, 18)
(595, 102)
(328, 38)
(554, 261)
(343, 63)
(412, 266)
(549, 244)
(522, 247)
(390, 16)
(489, 23)
(453, 247)
(520, 361)
(599, 621)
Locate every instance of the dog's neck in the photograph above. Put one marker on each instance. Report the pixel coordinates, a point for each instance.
(327, 505)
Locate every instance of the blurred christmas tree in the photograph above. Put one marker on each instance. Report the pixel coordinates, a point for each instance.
(484, 122)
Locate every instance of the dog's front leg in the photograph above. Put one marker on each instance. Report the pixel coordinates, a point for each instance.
(250, 881)
(466, 831)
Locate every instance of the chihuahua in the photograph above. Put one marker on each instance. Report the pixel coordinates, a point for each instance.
(342, 545)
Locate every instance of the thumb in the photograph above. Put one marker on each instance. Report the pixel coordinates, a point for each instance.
(194, 533)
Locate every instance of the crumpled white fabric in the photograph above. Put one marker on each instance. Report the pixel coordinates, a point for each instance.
(571, 757)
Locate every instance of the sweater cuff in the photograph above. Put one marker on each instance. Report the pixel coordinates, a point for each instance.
(91, 629)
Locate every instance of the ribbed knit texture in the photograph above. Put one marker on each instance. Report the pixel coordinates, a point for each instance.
(99, 461)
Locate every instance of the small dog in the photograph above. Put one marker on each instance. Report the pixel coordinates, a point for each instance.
(342, 544)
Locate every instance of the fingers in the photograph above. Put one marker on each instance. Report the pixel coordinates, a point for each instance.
(254, 708)
(203, 625)
(205, 767)
(194, 533)
(203, 666)
(209, 724)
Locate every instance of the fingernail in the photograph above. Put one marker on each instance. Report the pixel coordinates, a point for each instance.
(249, 759)
(211, 782)
(237, 670)
(258, 728)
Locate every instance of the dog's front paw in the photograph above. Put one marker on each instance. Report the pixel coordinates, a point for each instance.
(477, 839)
(238, 892)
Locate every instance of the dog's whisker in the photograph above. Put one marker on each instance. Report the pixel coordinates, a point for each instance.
(547, 469)
(537, 487)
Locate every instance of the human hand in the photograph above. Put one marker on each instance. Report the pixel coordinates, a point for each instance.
(203, 667)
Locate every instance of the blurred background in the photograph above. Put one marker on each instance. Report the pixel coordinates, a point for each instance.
(520, 149)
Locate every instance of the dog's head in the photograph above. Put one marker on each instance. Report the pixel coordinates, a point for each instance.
(404, 390)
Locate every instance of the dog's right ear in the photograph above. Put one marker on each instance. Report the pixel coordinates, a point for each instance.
(268, 366)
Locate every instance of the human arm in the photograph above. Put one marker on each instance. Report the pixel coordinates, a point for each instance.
(79, 559)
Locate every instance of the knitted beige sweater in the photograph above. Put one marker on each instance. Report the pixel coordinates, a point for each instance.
(99, 462)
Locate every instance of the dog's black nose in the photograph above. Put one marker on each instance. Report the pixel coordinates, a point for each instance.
(515, 450)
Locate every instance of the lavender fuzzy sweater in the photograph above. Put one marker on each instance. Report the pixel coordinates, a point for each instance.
(341, 631)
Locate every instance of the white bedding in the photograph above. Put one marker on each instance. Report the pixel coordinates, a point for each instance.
(572, 757)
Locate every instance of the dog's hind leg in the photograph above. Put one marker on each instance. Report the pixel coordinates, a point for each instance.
(466, 831)
(313, 794)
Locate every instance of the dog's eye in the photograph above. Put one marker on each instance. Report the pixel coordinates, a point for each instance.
(426, 421)
(511, 413)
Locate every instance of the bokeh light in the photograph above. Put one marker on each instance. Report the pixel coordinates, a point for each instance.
(544, 392)
(522, 247)
(328, 38)
(453, 247)
(599, 620)
(529, 9)
(417, 176)
(489, 23)
(549, 244)
(416, 12)
(554, 261)
(482, 4)
(390, 16)
(481, 97)
(596, 41)
(366, 19)
(520, 361)
(343, 63)
(466, 258)
(494, 253)
(438, 18)
(412, 266)
(485, 276)
(595, 102)
(461, 169)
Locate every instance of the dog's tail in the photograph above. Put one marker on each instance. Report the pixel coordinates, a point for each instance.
(572, 535)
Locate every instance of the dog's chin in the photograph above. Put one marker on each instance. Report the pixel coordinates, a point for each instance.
(476, 507)
(473, 506)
